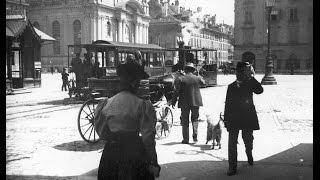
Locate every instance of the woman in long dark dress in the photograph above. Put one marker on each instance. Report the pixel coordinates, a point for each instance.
(129, 152)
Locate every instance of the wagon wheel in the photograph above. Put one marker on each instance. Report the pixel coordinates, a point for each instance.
(86, 121)
(164, 125)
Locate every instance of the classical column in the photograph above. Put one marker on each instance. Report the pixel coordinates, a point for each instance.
(147, 34)
(122, 33)
(140, 33)
(143, 33)
(93, 29)
(96, 25)
(99, 27)
(119, 30)
(135, 32)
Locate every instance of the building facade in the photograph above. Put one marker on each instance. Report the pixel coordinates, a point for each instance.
(170, 23)
(291, 31)
(84, 21)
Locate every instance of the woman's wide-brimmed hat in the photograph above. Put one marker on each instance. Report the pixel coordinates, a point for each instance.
(132, 70)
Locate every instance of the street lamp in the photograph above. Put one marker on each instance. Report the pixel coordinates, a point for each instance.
(181, 53)
(268, 78)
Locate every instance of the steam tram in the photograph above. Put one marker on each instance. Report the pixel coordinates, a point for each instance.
(94, 78)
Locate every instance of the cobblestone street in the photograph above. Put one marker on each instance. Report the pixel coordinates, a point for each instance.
(42, 139)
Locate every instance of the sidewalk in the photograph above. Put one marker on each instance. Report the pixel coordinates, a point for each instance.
(283, 148)
(277, 153)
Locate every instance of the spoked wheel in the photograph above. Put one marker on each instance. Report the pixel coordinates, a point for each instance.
(86, 121)
(164, 124)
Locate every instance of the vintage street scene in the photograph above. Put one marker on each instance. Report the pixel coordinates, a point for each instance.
(159, 89)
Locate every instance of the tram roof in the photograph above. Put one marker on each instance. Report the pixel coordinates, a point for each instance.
(119, 45)
(193, 49)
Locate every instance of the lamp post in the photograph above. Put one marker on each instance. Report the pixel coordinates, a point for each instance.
(181, 53)
(268, 78)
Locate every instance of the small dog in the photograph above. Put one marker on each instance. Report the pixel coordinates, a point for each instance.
(214, 131)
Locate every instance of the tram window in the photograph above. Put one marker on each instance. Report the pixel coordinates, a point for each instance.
(111, 59)
(99, 57)
(155, 60)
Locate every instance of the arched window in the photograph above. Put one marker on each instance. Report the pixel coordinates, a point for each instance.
(56, 35)
(77, 34)
(36, 25)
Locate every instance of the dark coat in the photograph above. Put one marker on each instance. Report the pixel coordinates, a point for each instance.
(240, 112)
(64, 76)
(188, 90)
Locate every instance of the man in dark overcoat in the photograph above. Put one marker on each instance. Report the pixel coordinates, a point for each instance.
(188, 92)
(240, 113)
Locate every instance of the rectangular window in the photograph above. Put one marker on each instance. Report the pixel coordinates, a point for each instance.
(248, 36)
(274, 35)
(248, 17)
(274, 16)
(293, 15)
(293, 34)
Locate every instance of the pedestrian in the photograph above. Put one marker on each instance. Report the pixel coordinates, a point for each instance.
(178, 67)
(189, 99)
(224, 69)
(119, 120)
(51, 68)
(240, 113)
(65, 82)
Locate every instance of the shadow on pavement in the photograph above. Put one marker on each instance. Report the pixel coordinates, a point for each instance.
(199, 152)
(300, 155)
(33, 177)
(65, 101)
(81, 146)
(278, 166)
(171, 143)
(203, 147)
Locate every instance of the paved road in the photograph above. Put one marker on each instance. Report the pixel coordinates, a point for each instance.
(43, 142)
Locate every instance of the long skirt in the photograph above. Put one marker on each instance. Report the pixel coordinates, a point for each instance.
(124, 159)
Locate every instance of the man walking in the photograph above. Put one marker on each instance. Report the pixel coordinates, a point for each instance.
(188, 92)
(51, 67)
(240, 113)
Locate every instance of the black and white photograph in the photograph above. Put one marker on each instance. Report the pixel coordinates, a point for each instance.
(159, 89)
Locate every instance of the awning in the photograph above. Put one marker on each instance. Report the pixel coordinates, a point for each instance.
(15, 27)
(9, 32)
(44, 36)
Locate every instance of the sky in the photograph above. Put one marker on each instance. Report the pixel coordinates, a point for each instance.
(224, 9)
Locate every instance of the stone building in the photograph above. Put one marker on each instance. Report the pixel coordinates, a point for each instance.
(170, 22)
(291, 34)
(84, 21)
